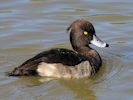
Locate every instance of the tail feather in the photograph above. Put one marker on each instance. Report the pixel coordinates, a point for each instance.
(25, 70)
(28, 68)
(15, 72)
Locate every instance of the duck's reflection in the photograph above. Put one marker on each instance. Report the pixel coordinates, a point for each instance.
(82, 88)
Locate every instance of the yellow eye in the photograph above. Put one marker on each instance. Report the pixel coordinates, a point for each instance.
(85, 33)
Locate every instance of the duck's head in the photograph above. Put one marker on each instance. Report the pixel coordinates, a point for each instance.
(82, 33)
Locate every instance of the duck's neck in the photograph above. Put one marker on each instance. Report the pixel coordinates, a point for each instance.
(92, 55)
(86, 51)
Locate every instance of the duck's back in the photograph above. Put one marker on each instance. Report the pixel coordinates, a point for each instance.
(54, 56)
(64, 56)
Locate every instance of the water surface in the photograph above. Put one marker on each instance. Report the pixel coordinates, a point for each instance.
(28, 27)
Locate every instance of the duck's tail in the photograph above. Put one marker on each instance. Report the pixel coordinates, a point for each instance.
(15, 72)
(24, 70)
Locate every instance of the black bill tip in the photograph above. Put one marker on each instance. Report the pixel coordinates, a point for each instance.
(107, 45)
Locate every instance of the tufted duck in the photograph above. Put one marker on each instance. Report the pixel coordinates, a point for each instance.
(64, 63)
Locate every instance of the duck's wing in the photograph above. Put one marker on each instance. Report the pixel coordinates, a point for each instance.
(63, 56)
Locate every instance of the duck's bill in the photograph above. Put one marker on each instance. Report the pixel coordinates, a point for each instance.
(96, 41)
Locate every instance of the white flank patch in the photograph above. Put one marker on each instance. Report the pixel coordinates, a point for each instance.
(45, 69)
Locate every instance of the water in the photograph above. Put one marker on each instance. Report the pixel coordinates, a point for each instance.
(28, 27)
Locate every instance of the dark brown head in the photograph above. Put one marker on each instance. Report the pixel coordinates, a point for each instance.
(82, 33)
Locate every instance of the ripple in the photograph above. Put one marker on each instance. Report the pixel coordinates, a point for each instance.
(112, 17)
(112, 65)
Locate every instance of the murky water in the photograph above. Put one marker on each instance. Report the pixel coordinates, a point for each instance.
(28, 27)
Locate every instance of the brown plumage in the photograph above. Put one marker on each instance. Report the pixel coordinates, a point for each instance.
(65, 63)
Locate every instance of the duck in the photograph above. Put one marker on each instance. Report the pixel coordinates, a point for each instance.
(82, 61)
